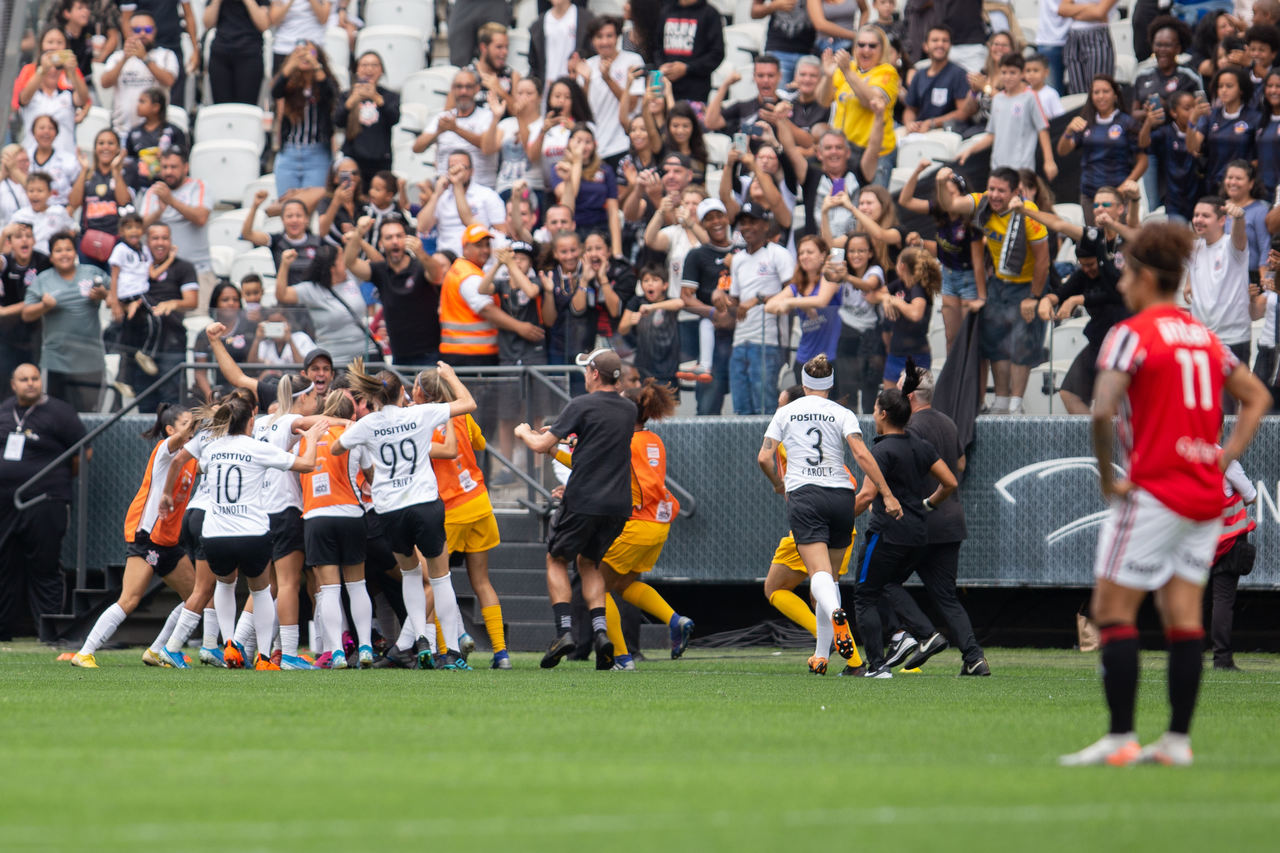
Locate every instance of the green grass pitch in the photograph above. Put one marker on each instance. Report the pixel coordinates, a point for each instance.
(720, 751)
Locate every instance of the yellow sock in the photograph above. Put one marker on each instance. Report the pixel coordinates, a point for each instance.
(647, 599)
(793, 607)
(493, 624)
(613, 625)
(440, 643)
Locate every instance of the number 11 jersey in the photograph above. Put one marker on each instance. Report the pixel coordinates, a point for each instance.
(812, 430)
(399, 442)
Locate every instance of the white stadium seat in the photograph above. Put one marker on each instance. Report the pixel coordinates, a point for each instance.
(266, 182)
(258, 261)
(936, 144)
(337, 47)
(401, 49)
(179, 118)
(429, 87)
(225, 167)
(419, 14)
(718, 145)
(224, 230)
(235, 122)
(95, 121)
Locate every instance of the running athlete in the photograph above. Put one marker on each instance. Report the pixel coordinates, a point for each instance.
(820, 498)
(405, 493)
(153, 541)
(1163, 373)
(236, 532)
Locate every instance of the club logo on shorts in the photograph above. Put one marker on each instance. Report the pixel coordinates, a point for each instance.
(153, 558)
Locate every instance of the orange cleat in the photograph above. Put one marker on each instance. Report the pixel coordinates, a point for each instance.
(265, 663)
(844, 637)
(817, 665)
(233, 656)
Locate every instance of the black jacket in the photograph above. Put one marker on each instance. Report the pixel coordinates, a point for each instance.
(693, 35)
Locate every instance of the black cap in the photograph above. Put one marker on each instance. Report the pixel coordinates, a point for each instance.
(523, 247)
(314, 354)
(676, 155)
(753, 211)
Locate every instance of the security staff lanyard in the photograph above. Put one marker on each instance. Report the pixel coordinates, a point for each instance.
(17, 440)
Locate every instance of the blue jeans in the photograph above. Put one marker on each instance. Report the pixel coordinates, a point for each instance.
(753, 378)
(710, 395)
(884, 169)
(1053, 53)
(301, 166)
(831, 43)
(787, 65)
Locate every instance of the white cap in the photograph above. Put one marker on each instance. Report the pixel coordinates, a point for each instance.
(709, 204)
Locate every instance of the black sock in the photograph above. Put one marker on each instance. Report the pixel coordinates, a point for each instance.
(597, 619)
(1120, 674)
(1186, 660)
(562, 615)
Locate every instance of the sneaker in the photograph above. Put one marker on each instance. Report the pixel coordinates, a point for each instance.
(928, 649)
(176, 660)
(466, 645)
(604, 651)
(151, 658)
(348, 644)
(1113, 750)
(233, 655)
(422, 651)
(681, 631)
(210, 657)
(624, 663)
(881, 672)
(397, 659)
(855, 671)
(364, 657)
(84, 661)
(978, 667)
(844, 638)
(294, 662)
(452, 660)
(899, 649)
(324, 661)
(560, 646)
(265, 664)
(501, 660)
(698, 374)
(1171, 750)
(146, 362)
(817, 665)
(338, 660)
(125, 391)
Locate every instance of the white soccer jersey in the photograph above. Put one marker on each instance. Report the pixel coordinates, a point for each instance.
(282, 489)
(399, 443)
(160, 464)
(196, 446)
(236, 466)
(813, 430)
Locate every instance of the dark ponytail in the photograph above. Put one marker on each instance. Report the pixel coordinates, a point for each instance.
(167, 415)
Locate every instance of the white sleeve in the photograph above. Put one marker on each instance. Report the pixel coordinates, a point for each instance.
(1240, 482)
(775, 426)
(117, 254)
(470, 292)
(355, 436)
(734, 266)
(273, 457)
(114, 60)
(496, 211)
(850, 425)
(786, 263)
(166, 59)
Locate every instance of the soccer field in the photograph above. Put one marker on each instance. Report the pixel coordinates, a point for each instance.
(720, 751)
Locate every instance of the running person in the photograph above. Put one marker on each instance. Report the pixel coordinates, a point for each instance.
(153, 541)
(236, 531)
(820, 496)
(1162, 529)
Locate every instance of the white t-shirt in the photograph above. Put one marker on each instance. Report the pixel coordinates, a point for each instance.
(611, 137)
(515, 164)
(855, 311)
(759, 276)
(469, 290)
(192, 239)
(63, 168)
(236, 468)
(486, 206)
(484, 166)
(399, 443)
(813, 430)
(135, 266)
(135, 78)
(270, 353)
(50, 221)
(1051, 31)
(13, 197)
(561, 42)
(1050, 102)
(299, 24)
(1219, 276)
(281, 489)
(61, 106)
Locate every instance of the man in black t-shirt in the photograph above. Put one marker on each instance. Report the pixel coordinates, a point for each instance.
(410, 303)
(19, 266)
(705, 267)
(34, 430)
(597, 498)
(744, 116)
(174, 290)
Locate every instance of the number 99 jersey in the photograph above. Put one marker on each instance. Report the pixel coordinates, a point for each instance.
(812, 431)
(1170, 420)
(399, 443)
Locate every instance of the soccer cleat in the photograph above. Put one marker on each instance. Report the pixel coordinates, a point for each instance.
(817, 665)
(899, 649)
(294, 662)
(338, 660)
(84, 661)
(466, 645)
(276, 655)
(364, 657)
(233, 655)
(211, 657)
(978, 667)
(151, 658)
(397, 659)
(681, 631)
(560, 646)
(844, 638)
(856, 671)
(624, 663)
(452, 660)
(324, 661)
(928, 649)
(501, 660)
(348, 644)
(176, 660)
(881, 672)
(264, 664)
(604, 651)
(1112, 750)
(422, 649)
(1171, 750)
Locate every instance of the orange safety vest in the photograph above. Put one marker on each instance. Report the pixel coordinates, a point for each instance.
(330, 484)
(1235, 523)
(650, 499)
(463, 331)
(164, 531)
(460, 480)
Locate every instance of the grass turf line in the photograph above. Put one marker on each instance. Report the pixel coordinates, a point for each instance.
(720, 751)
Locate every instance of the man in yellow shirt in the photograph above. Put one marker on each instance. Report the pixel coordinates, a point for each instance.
(854, 84)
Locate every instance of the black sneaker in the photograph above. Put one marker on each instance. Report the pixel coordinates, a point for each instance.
(899, 649)
(928, 649)
(422, 651)
(978, 667)
(882, 672)
(561, 646)
(604, 651)
(856, 671)
(395, 658)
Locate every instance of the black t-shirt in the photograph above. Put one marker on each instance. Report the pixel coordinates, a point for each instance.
(513, 349)
(807, 115)
(1102, 298)
(300, 269)
(790, 32)
(236, 31)
(340, 218)
(143, 149)
(601, 479)
(909, 337)
(14, 282)
(741, 116)
(946, 523)
(50, 426)
(904, 461)
(100, 210)
(657, 341)
(704, 265)
(410, 308)
(171, 284)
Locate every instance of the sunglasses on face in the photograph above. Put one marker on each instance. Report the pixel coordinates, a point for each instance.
(1103, 204)
(144, 30)
(864, 45)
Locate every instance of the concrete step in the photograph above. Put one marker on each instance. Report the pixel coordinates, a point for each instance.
(505, 581)
(520, 525)
(518, 555)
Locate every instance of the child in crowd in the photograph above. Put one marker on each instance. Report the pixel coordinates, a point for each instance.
(1167, 140)
(1037, 76)
(654, 318)
(130, 264)
(44, 217)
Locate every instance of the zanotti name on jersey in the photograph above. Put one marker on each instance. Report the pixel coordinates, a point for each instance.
(678, 36)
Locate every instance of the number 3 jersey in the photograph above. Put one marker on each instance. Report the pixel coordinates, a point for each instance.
(235, 467)
(812, 431)
(399, 444)
(1170, 420)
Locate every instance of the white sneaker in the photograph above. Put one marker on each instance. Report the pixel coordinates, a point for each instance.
(1114, 750)
(1171, 750)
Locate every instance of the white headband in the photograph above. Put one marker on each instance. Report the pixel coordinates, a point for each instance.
(816, 383)
(304, 391)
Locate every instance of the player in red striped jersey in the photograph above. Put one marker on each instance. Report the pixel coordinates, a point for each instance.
(1163, 373)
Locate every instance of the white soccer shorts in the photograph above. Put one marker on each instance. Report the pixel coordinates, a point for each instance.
(1143, 544)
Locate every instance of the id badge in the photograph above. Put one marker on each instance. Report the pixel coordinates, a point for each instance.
(320, 484)
(464, 480)
(13, 447)
(664, 511)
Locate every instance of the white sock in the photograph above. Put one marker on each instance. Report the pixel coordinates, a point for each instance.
(275, 635)
(826, 599)
(1000, 402)
(447, 609)
(170, 622)
(343, 624)
(313, 631)
(289, 640)
(103, 629)
(826, 633)
(897, 635)
(187, 622)
(1015, 405)
(210, 626)
(264, 617)
(224, 606)
(706, 343)
(331, 613)
(415, 601)
(361, 611)
(245, 636)
(405, 641)
(317, 619)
